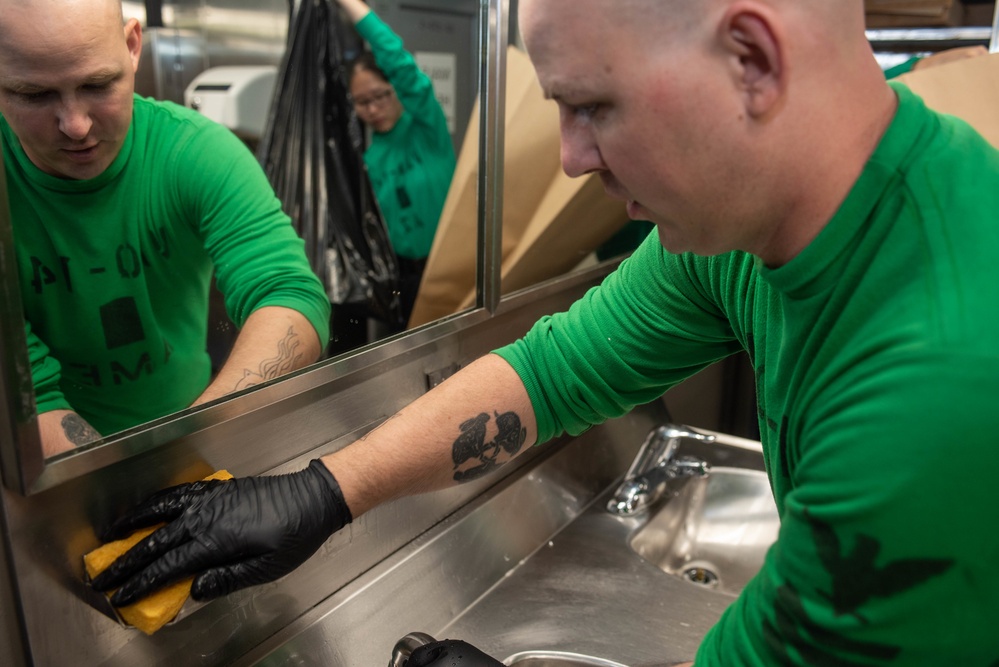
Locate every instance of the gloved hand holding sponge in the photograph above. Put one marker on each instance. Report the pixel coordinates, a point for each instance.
(250, 531)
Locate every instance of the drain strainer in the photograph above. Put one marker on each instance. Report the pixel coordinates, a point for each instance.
(701, 576)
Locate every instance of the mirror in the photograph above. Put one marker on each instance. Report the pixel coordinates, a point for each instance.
(542, 237)
(194, 34)
(542, 234)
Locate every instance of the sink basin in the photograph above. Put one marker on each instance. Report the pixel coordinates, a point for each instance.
(557, 659)
(715, 532)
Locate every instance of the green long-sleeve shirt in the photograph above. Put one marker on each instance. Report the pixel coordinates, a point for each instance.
(114, 271)
(876, 354)
(411, 165)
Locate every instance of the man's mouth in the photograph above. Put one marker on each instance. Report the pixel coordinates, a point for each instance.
(612, 188)
(81, 154)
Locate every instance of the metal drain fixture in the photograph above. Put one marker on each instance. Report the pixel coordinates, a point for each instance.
(701, 576)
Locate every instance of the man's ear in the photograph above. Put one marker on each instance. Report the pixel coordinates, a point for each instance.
(751, 34)
(133, 40)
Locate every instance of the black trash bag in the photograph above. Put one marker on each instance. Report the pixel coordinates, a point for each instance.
(312, 153)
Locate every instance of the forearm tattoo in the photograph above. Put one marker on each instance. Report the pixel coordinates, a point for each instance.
(288, 359)
(474, 457)
(77, 430)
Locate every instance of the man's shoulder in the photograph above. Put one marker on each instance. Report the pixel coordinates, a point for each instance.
(164, 115)
(949, 134)
(168, 131)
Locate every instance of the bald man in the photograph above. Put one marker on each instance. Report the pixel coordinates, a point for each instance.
(122, 207)
(809, 213)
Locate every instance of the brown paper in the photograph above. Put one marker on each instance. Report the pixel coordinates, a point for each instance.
(575, 217)
(550, 222)
(967, 88)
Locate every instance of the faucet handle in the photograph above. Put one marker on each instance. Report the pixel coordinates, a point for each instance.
(680, 431)
(654, 465)
(660, 447)
(689, 466)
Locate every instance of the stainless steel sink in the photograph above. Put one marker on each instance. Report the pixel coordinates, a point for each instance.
(535, 569)
(557, 659)
(715, 532)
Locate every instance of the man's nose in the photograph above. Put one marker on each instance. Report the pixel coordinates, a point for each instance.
(74, 120)
(580, 153)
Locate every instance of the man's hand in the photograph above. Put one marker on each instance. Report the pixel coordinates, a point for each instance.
(456, 653)
(231, 534)
(450, 653)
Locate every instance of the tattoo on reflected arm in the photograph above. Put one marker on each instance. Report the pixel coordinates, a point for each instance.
(287, 360)
(78, 431)
(474, 457)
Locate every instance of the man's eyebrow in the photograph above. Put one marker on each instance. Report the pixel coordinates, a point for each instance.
(17, 86)
(104, 75)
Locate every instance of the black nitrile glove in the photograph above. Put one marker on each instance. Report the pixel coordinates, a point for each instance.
(450, 653)
(235, 533)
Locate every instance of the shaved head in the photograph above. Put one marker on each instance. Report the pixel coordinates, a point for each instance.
(702, 115)
(653, 20)
(67, 75)
(33, 28)
(55, 13)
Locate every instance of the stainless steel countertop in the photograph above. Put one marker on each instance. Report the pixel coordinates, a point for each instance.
(586, 591)
(532, 564)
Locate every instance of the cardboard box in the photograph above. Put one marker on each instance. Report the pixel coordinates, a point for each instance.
(913, 13)
(979, 13)
(968, 89)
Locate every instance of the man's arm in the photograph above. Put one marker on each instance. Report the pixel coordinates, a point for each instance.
(465, 428)
(275, 340)
(62, 430)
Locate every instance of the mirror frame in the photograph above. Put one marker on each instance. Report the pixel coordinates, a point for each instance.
(26, 472)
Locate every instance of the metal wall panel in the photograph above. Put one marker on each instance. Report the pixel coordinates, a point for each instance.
(197, 35)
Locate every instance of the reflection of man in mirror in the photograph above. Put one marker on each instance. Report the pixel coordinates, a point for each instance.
(122, 207)
(411, 158)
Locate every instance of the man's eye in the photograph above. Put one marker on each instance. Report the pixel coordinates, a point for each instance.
(36, 96)
(98, 88)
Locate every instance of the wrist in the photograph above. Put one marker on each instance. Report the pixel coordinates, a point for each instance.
(355, 9)
(341, 514)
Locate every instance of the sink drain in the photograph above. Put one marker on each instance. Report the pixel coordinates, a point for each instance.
(701, 576)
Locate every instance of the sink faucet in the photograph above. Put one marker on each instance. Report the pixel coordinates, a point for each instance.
(654, 466)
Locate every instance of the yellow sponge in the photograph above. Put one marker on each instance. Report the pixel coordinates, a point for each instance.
(157, 609)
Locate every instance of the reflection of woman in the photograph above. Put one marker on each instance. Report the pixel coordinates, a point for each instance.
(411, 158)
